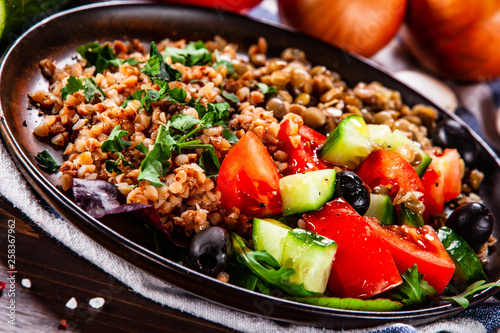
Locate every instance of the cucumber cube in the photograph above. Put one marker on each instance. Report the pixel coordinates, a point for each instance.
(348, 144)
(269, 235)
(304, 192)
(311, 256)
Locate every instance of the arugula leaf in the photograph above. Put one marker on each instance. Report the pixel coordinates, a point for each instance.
(102, 57)
(115, 143)
(414, 289)
(90, 90)
(263, 265)
(195, 53)
(241, 276)
(379, 304)
(47, 162)
(265, 89)
(230, 136)
(462, 300)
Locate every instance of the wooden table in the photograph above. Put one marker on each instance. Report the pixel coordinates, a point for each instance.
(57, 274)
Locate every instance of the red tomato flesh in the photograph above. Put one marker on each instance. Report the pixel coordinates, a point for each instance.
(391, 170)
(302, 155)
(409, 245)
(249, 180)
(434, 192)
(363, 266)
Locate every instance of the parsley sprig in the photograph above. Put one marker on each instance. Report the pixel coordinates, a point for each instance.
(102, 57)
(180, 134)
(195, 53)
(116, 144)
(91, 90)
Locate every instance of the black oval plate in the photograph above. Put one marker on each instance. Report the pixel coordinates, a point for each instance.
(59, 36)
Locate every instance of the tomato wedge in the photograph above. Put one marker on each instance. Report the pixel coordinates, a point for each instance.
(389, 169)
(363, 266)
(249, 180)
(434, 191)
(409, 245)
(302, 152)
(314, 138)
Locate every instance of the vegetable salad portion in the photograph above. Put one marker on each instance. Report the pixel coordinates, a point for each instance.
(270, 173)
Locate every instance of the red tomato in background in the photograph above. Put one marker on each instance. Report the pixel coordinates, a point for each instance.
(389, 169)
(409, 245)
(249, 180)
(238, 6)
(302, 158)
(363, 266)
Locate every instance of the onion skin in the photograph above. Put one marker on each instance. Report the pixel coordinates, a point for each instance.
(359, 26)
(455, 39)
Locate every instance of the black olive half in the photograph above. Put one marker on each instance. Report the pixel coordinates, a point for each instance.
(473, 222)
(350, 187)
(450, 134)
(210, 250)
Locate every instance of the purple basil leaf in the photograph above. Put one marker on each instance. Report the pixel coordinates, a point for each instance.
(98, 198)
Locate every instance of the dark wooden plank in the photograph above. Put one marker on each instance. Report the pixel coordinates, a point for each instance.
(57, 275)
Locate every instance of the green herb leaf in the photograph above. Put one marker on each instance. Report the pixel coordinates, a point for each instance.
(157, 68)
(263, 265)
(195, 53)
(72, 86)
(157, 161)
(210, 162)
(142, 148)
(229, 66)
(241, 276)
(102, 57)
(115, 143)
(462, 300)
(414, 289)
(265, 89)
(47, 162)
(177, 95)
(90, 90)
(184, 123)
(229, 136)
(230, 96)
